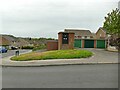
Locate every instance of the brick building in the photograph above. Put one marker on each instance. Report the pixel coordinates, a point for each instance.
(77, 38)
(65, 40)
(101, 33)
(86, 39)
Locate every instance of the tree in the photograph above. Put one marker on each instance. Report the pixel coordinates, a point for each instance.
(112, 25)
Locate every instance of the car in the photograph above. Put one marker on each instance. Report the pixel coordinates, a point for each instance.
(3, 49)
(14, 48)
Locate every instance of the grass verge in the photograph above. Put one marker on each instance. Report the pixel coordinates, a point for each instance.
(56, 54)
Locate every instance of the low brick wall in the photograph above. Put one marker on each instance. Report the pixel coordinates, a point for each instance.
(52, 45)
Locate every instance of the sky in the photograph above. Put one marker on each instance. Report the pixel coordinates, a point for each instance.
(45, 18)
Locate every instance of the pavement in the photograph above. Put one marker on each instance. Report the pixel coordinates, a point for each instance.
(100, 56)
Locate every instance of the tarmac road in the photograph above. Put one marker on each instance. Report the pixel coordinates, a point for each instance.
(11, 53)
(72, 76)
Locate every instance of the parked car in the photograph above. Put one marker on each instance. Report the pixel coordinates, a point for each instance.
(14, 48)
(3, 49)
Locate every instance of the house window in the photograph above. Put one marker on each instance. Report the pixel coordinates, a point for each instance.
(79, 36)
(91, 36)
(85, 36)
(88, 37)
(65, 37)
(14, 42)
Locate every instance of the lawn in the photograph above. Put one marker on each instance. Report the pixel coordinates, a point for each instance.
(56, 54)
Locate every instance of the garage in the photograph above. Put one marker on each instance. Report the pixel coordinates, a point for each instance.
(88, 43)
(77, 43)
(101, 44)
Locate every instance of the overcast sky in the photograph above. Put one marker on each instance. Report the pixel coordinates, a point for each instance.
(45, 18)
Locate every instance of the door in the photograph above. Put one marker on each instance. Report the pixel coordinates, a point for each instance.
(77, 43)
(65, 37)
(89, 44)
(100, 43)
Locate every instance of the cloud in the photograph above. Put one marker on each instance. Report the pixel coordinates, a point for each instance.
(44, 18)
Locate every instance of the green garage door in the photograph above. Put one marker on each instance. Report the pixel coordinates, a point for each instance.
(89, 44)
(100, 43)
(77, 43)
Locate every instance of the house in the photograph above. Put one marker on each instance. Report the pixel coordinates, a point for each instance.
(14, 41)
(4, 42)
(21, 42)
(36, 41)
(80, 33)
(86, 39)
(11, 39)
(101, 33)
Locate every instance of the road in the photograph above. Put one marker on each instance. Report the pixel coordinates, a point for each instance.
(11, 53)
(71, 76)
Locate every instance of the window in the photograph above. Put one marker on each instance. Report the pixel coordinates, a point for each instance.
(65, 37)
(75, 36)
(79, 36)
(88, 37)
(85, 36)
(91, 36)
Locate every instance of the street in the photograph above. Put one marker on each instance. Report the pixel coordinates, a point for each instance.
(11, 53)
(71, 76)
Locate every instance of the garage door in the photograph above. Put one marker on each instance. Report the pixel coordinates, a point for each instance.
(77, 43)
(100, 43)
(89, 44)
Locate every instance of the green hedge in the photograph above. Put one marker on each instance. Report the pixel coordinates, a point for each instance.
(39, 47)
(27, 47)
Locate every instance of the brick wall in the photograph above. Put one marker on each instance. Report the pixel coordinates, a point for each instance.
(94, 43)
(70, 45)
(100, 34)
(82, 41)
(52, 45)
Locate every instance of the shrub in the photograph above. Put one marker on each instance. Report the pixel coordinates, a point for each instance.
(42, 46)
(27, 47)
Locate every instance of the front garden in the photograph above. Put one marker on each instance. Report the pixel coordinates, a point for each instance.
(56, 54)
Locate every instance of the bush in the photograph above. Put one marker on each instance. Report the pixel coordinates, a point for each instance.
(27, 47)
(39, 47)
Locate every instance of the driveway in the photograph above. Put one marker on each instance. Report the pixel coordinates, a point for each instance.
(100, 57)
